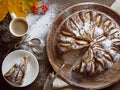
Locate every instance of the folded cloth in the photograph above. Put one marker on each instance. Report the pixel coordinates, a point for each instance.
(58, 83)
(116, 6)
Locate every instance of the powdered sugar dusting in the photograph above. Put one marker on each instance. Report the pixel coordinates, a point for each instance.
(41, 24)
(98, 31)
(107, 44)
(76, 32)
(67, 39)
(113, 53)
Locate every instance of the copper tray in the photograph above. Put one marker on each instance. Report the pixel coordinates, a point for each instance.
(101, 81)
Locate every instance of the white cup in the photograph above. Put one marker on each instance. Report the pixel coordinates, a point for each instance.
(18, 26)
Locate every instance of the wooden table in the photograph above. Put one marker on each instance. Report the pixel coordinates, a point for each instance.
(56, 6)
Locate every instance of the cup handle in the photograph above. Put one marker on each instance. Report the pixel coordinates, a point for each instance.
(13, 16)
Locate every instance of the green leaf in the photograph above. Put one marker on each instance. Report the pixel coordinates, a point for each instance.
(27, 4)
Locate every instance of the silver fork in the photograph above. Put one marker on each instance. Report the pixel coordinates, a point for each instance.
(49, 81)
(51, 77)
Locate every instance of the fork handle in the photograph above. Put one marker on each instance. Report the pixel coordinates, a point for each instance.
(58, 72)
(49, 83)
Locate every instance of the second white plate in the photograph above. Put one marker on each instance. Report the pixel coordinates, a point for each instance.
(32, 67)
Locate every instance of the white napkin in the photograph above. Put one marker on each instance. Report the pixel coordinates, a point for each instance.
(116, 6)
(58, 83)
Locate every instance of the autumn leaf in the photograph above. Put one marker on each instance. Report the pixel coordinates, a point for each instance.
(27, 4)
(11, 6)
(16, 7)
(3, 9)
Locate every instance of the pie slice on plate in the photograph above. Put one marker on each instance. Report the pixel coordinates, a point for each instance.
(17, 72)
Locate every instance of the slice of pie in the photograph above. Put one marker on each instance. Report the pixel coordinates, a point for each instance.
(17, 72)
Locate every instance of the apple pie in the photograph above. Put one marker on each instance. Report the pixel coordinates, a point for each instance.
(17, 72)
(96, 32)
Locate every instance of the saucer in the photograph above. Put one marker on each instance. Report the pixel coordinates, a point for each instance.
(32, 66)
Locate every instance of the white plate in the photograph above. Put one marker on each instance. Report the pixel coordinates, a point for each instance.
(32, 67)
